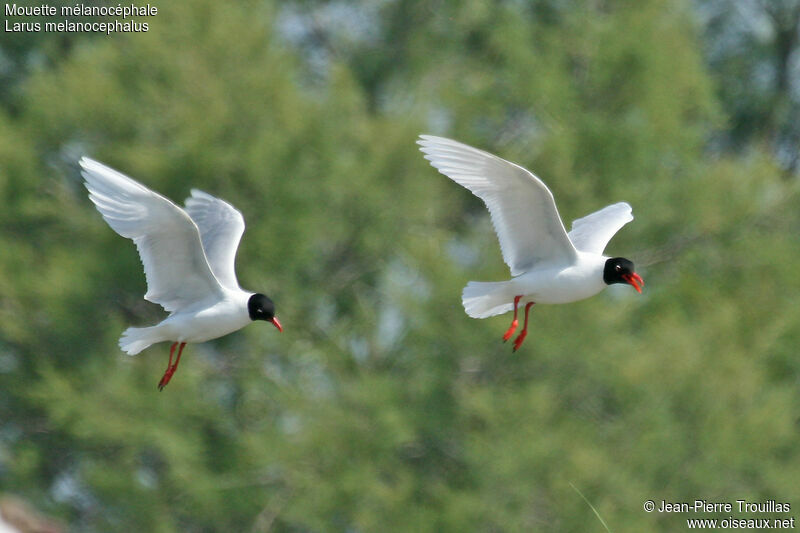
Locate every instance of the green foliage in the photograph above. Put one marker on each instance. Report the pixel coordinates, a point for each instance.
(758, 89)
(382, 406)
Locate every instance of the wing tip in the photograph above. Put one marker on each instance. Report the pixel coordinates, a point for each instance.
(197, 193)
(428, 138)
(86, 160)
(430, 142)
(446, 147)
(425, 137)
(626, 206)
(86, 165)
(196, 197)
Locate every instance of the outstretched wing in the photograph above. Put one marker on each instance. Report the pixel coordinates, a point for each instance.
(168, 240)
(592, 232)
(522, 208)
(221, 227)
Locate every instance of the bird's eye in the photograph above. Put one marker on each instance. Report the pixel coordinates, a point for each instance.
(619, 268)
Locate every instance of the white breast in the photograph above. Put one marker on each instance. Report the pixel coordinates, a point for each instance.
(206, 323)
(558, 285)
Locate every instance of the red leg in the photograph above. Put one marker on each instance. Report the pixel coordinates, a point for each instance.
(524, 332)
(178, 359)
(171, 368)
(513, 327)
(164, 378)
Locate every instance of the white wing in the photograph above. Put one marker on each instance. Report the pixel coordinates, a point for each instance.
(592, 232)
(522, 208)
(221, 227)
(168, 241)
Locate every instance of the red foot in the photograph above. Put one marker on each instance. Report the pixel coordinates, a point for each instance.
(170, 367)
(524, 333)
(165, 379)
(514, 323)
(511, 330)
(519, 339)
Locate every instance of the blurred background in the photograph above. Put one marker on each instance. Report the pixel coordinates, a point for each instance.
(382, 406)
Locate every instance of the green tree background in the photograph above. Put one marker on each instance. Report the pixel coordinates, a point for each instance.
(382, 406)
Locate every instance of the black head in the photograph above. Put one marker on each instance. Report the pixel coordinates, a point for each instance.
(620, 270)
(260, 307)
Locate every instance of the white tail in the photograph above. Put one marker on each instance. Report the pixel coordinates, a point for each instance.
(134, 340)
(484, 299)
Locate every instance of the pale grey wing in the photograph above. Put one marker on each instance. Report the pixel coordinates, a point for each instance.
(522, 208)
(592, 232)
(168, 240)
(221, 228)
